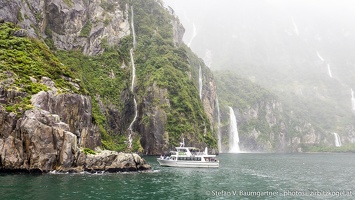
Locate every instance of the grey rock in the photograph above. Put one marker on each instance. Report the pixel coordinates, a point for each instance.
(20, 33)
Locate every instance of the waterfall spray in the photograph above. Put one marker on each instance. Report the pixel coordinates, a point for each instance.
(337, 140)
(233, 133)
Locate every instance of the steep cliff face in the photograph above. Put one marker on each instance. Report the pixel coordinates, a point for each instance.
(73, 24)
(94, 39)
(264, 123)
(52, 135)
(47, 123)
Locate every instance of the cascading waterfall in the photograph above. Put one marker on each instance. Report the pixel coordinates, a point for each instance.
(133, 32)
(233, 133)
(320, 57)
(200, 82)
(218, 128)
(194, 33)
(329, 72)
(328, 66)
(337, 140)
(133, 70)
(130, 140)
(352, 100)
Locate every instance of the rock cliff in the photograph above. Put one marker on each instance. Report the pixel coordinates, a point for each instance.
(74, 24)
(47, 123)
(265, 124)
(52, 136)
(93, 39)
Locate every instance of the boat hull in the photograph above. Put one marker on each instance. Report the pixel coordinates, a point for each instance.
(181, 163)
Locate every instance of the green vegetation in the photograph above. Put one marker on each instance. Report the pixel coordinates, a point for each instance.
(89, 151)
(85, 31)
(243, 95)
(238, 92)
(24, 58)
(69, 3)
(158, 60)
(19, 16)
(106, 77)
(103, 77)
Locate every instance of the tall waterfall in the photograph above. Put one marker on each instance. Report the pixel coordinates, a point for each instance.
(329, 72)
(133, 32)
(233, 133)
(352, 100)
(218, 127)
(130, 140)
(133, 70)
(337, 140)
(200, 82)
(194, 33)
(320, 57)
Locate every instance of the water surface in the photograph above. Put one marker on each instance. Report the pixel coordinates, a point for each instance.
(240, 176)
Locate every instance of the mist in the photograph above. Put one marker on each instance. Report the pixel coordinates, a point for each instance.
(270, 32)
(286, 36)
(300, 50)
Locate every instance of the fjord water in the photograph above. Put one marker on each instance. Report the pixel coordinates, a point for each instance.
(240, 176)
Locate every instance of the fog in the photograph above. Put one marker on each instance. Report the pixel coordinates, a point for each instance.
(256, 31)
(294, 48)
(273, 35)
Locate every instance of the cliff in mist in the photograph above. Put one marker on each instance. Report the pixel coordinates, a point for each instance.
(78, 75)
(299, 51)
(266, 123)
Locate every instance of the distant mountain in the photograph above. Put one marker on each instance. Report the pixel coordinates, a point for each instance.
(299, 50)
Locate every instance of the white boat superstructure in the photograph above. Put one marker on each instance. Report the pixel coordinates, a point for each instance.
(189, 157)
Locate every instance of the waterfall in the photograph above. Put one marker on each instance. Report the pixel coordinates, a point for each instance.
(133, 32)
(233, 133)
(320, 57)
(134, 100)
(352, 100)
(200, 82)
(218, 127)
(194, 33)
(133, 70)
(130, 140)
(329, 72)
(337, 140)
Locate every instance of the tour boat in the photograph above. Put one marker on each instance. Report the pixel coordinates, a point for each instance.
(189, 157)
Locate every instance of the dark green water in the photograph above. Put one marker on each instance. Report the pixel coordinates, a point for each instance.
(240, 176)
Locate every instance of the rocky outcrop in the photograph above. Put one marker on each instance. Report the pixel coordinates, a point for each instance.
(110, 161)
(52, 136)
(75, 111)
(178, 29)
(70, 24)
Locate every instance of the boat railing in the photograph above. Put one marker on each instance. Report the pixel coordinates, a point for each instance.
(198, 153)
